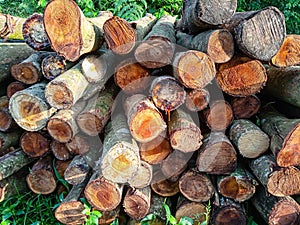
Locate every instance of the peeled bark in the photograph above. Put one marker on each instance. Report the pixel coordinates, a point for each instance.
(143, 177)
(35, 144)
(245, 107)
(14, 87)
(145, 121)
(197, 100)
(194, 69)
(79, 145)
(217, 44)
(11, 27)
(60, 150)
(288, 54)
(162, 186)
(53, 65)
(249, 139)
(217, 155)
(241, 76)
(157, 48)
(77, 171)
(143, 26)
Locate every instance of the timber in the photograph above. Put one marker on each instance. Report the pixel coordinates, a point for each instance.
(35, 144)
(53, 65)
(60, 150)
(14, 87)
(79, 145)
(77, 171)
(163, 186)
(197, 99)
(6, 120)
(143, 26)
(245, 107)
(143, 177)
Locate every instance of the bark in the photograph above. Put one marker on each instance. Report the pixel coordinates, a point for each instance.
(194, 69)
(202, 15)
(13, 162)
(241, 76)
(143, 177)
(217, 44)
(217, 155)
(14, 87)
(136, 202)
(157, 48)
(245, 107)
(143, 26)
(6, 121)
(34, 33)
(261, 44)
(284, 134)
(196, 186)
(29, 108)
(279, 181)
(53, 65)
(79, 145)
(60, 150)
(109, 216)
(121, 158)
(77, 171)
(11, 27)
(35, 144)
(162, 186)
(249, 139)
(283, 84)
(145, 121)
(197, 100)
(157, 206)
(288, 54)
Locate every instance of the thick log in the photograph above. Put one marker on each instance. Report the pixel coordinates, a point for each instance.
(157, 48)
(119, 36)
(143, 26)
(13, 162)
(279, 181)
(143, 177)
(283, 84)
(61, 166)
(288, 54)
(121, 158)
(103, 194)
(77, 170)
(145, 121)
(14, 87)
(11, 27)
(217, 155)
(29, 108)
(60, 150)
(240, 185)
(241, 76)
(217, 44)
(249, 139)
(202, 15)
(34, 33)
(218, 116)
(35, 144)
(155, 151)
(136, 202)
(196, 186)
(194, 69)
(197, 99)
(250, 23)
(53, 65)
(184, 133)
(245, 107)
(167, 93)
(162, 186)
(79, 145)
(284, 134)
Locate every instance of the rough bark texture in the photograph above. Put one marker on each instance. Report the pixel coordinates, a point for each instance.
(8, 140)
(14, 87)
(241, 76)
(197, 100)
(143, 26)
(77, 171)
(35, 144)
(194, 69)
(245, 107)
(11, 27)
(157, 48)
(6, 120)
(163, 186)
(249, 139)
(143, 177)
(217, 44)
(53, 65)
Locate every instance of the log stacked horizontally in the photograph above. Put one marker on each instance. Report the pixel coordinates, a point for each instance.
(132, 112)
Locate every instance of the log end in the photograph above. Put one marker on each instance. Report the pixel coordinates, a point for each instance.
(34, 144)
(70, 213)
(89, 123)
(58, 95)
(197, 100)
(52, 66)
(14, 87)
(25, 72)
(41, 182)
(143, 177)
(219, 116)
(5, 121)
(230, 215)
(285, 212)
(245, 107)
(60, 130)
(193, 210)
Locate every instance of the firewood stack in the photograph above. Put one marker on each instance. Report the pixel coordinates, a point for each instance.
(132, 112)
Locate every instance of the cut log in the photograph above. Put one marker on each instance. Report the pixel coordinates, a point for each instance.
(143, 26)
(239, 186)
(167, 93)
(217, 155)
(14, 87)
(261, 44)
(60, 150)
(77, 171)
(197, 100)
(155, 151)
(6, 120)
(41, 179)
(145, 121)
(29, 108)
(218, 116)
(249, 139)
(79, 145)
(284, 134)
(194, 69)
(132, 77)
(34, 33)
(136, 202)
(162, 186)
(241, 76)
(121, 158)
(196, 186)
(29, 70)
(185, 134)
(70, 33)
(103, 194)
(61, 166)
(120, 37)
(35, 144)
(283, 84)
(11, 27)
(245, 107)
(157, 48)
(53, 65)
(217, 44)
(13, 162)
(274, 210)
(143, 177)
(280, 182)
(202, 15)
(288, 54)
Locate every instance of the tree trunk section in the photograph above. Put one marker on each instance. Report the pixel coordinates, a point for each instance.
(8, 140)
(35, 144)
(157, 48)
(53, 65)
(14, 87)
(249, 139)
(143, 26)
(6, 120)
(11, 27)
(197, 99)
(77, 171)
(143, 177)
(79, 145)
(245, 107)
(60, 150)
(163, 186)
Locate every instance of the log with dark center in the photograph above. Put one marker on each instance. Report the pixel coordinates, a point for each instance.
(53, 65)
(245, 107)
(60, 150)
(35, 144)
(197, 99)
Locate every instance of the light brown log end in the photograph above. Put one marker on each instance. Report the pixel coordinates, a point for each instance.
(78, 145)
(5, 121)
(193, 210)
(143, 177)
(59, 95)
(164, 187)
(34, 144)
(25, 72)
(89, 123)
(60, 130)
(70, 213)
(197, 100)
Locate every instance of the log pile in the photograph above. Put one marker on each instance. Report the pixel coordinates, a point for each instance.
(135, 118)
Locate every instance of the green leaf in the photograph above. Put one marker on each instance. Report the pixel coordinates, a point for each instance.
(149, 217)
(96, 213)
(186, 221)
(115, 222)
